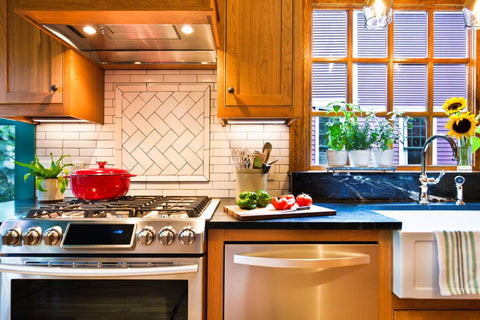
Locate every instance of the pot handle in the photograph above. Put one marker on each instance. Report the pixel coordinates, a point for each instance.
(101, 164)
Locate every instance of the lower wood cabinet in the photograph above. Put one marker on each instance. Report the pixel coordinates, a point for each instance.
(437, 315)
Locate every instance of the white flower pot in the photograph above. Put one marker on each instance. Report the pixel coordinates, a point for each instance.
(52, 192)
(359, 158)
(383, 158)
(337, 158)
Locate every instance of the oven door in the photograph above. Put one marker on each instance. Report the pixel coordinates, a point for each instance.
(102, 288)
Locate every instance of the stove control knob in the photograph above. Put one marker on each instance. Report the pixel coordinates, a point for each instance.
(32, 236)
(12, 237)
(146, 236)
(166, 236)
(187, 236)
(52, 236)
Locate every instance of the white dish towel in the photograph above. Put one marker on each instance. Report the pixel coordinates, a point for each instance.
(459, 262)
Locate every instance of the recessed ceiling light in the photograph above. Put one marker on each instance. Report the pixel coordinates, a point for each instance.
(187, 29)
(89, 30)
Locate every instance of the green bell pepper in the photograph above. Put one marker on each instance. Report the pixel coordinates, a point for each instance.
(247, 200)
(263, 199)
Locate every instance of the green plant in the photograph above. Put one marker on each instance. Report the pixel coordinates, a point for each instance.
(359, 136)
(39, 172)
(386, 130)
(340, 116)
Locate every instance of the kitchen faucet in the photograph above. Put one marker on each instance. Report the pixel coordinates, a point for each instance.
(424, 180)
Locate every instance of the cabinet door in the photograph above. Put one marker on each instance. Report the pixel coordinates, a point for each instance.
(259, 53)
(437, 314)
(30, 61)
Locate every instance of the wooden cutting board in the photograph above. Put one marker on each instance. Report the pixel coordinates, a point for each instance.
(269, 212)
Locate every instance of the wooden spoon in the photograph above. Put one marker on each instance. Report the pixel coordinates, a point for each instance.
(267, 148)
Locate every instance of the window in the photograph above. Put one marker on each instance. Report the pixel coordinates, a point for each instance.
(17, 142)
(412, 67)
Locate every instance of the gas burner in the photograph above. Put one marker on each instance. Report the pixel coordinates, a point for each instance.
(152, 207)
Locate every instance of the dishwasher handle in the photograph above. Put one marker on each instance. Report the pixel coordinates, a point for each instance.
(269, 260)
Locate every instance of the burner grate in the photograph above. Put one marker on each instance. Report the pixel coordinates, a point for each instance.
(126, 207)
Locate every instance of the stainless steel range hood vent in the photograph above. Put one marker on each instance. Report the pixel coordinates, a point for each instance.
(139, 43)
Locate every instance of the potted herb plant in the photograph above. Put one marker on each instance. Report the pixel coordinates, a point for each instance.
(359, 138)
(386, 131)
(341, 113)
(49, 182)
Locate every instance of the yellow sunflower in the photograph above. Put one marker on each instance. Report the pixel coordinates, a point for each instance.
(454, 104)
(462, 125)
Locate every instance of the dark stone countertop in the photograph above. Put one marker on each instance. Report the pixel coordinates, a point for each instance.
(353, 216)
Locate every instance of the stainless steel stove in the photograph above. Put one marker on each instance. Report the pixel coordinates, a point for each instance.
(133, 225)
(133, 258)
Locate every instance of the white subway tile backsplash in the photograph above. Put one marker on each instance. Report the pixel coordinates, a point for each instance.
(91, 142)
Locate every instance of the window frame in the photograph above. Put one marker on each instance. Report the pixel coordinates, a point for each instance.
(301, 132)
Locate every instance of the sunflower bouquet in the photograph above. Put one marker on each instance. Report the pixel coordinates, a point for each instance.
(462, 125)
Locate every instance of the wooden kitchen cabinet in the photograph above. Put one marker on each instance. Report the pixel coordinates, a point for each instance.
(259, 59)
(30, 61)
(217, 238)
(40, 78)
(437, 315)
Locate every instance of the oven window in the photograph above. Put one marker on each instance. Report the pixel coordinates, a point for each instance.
(99, 299)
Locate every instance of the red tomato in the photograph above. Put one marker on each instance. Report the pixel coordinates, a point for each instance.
(287, 196)
(290, 200)
(304, 200)
(280, 203)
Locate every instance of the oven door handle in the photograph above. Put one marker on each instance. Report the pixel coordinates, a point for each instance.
(78, 272)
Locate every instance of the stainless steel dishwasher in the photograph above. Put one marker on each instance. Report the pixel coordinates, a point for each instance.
(301, 281)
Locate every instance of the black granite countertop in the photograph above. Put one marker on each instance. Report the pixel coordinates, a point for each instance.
(353, 216)
(360, 215)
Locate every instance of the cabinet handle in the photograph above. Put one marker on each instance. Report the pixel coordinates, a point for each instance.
(231, 90)
(53, 88)
(264, 259)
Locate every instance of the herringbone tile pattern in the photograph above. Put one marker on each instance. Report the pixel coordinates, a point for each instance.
(165, 134)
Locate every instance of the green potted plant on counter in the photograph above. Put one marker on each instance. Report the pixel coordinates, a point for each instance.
(359, 140)
(340, 114)
(49, 182)
(386, 131)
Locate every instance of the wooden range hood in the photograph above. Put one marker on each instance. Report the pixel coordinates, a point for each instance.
(45, 13)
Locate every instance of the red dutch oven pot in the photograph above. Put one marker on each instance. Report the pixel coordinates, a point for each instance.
(100, 183)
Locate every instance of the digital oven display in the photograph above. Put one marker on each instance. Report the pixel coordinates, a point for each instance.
(79, 234)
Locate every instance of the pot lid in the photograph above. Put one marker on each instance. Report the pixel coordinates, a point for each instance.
(101, 170)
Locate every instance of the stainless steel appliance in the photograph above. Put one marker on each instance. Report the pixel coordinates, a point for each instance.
(301, 281)
(131, 258)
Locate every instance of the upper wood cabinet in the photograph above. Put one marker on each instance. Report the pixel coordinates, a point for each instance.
(260, 59)
(40, 78)
(30, 61)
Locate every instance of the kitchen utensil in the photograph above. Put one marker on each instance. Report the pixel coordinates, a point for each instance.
(270, 213)
(258, 160)
(247, 158)
(265, 167)
(267, 148)
(100, 183)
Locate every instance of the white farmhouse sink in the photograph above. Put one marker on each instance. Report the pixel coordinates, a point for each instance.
(415, 261)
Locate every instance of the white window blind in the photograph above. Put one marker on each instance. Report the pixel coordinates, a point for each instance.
(368, 43)
(370, 86)
(450, 35)
(329, 83)
(329, 33)
(449, 80)
(410, 34)
(410, 87)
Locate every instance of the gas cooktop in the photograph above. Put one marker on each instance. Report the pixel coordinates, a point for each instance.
(129, 225)
(150, 207)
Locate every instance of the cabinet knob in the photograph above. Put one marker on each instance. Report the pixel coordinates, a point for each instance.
(53, 88)
(231, 90)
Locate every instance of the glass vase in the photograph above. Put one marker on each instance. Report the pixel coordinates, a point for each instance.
(464, 154)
